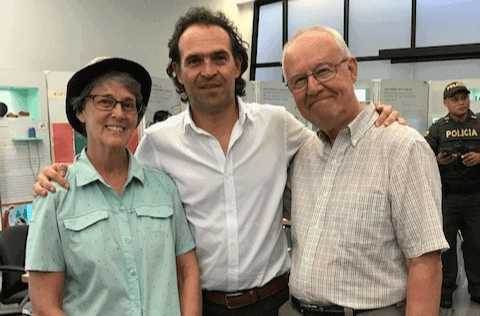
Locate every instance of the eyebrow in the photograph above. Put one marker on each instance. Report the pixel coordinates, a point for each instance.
(109, 95)
(211, 54)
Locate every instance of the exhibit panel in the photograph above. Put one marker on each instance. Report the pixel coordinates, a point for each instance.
(409, 98)
(24, 133)
(164, 97)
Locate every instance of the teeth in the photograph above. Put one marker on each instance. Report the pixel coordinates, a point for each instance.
(115, 128)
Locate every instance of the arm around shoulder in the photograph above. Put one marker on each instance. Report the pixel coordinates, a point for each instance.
(55, 172)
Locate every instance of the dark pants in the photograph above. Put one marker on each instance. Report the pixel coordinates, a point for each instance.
(462, 212)
(265, 307)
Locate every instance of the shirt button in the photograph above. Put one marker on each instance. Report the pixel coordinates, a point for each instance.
(133, 272)
(334, 161)
(128, 240)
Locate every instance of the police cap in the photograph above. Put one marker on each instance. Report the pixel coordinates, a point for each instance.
(453, 88)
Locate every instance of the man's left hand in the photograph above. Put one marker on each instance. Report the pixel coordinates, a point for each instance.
(471, 159)
(387, 115)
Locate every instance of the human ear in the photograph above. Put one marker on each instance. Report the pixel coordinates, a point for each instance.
(81, 117)
(178, 72)
(238, 65)
(353, 68)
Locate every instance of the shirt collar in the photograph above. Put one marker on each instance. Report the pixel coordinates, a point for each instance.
(89, 174)
(362, 123)
(244, 112)
(470, 116)
(356, 128)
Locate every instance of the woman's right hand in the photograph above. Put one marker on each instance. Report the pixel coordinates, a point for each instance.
(55, 172)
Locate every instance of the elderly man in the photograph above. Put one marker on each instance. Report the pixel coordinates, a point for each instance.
(366, 202)
(229, 161)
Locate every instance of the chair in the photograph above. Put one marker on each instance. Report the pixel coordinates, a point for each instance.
(13, 242)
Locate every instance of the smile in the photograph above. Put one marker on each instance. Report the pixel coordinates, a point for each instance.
(115, 128)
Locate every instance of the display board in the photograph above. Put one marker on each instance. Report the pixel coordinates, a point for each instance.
(18, 213)
(163, 97)
(275, 93)
(24, 133)
(409, 98)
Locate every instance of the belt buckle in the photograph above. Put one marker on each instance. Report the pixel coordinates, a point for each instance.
(310, 308)
(229, 295)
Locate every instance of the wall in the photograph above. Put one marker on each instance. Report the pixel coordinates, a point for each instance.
(64, 35)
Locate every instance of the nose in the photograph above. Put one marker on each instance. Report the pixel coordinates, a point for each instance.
(209, 69)
(313, 86)
(117, 110)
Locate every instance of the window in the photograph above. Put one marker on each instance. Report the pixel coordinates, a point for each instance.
(375, 30)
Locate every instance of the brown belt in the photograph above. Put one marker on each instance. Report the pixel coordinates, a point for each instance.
(247, 297)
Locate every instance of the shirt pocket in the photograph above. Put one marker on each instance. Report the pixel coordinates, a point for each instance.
(87, 231)
(82, 222)
(155, 221)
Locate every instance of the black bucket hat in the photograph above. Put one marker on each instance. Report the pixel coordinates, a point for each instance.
(96, 68)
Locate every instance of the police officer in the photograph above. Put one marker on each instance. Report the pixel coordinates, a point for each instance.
(456, 142)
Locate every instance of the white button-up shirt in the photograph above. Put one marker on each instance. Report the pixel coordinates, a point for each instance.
(233, 202)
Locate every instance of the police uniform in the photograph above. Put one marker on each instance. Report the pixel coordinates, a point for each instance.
(461, 198)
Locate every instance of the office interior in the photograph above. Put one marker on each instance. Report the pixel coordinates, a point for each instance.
(410, 45)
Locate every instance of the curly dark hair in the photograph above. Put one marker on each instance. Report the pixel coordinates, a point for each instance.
(204, 16)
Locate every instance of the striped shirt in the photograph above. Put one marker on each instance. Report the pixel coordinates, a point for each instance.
(359, 208)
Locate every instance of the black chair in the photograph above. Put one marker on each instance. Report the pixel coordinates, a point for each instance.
(13, 242)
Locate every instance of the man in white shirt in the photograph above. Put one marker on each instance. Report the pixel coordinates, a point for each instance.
(365, 201)
(229, 161)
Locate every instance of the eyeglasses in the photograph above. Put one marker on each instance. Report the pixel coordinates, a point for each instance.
(321, 73)
(105, 103)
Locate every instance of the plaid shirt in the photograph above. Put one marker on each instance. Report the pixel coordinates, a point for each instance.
(359, 209)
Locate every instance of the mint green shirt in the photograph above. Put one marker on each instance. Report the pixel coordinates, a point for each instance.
(117, 252)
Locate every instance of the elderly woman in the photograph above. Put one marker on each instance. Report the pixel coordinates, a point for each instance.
(117, 242)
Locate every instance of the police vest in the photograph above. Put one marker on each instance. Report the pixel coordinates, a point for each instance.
(459, 138)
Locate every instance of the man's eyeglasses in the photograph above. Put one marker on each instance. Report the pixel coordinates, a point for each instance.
(106, 103)
(321, 73)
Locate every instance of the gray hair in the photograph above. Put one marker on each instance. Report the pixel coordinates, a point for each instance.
(126, 79)
(338, 39)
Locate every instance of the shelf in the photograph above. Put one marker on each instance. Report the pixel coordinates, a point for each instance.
(26, 139)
